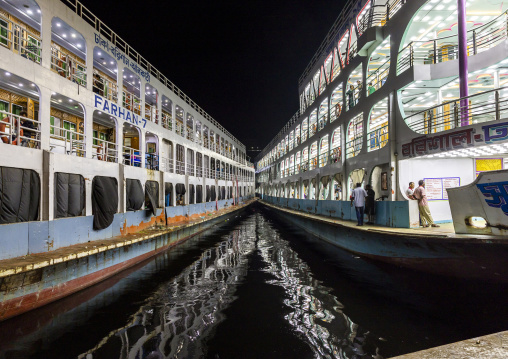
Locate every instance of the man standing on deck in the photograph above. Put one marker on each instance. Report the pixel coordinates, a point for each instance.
(358, 198)
(423, 205)
(410, 191)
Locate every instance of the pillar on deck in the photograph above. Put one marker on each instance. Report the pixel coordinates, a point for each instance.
(462, 37)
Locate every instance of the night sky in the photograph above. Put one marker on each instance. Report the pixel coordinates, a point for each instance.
(239, 60)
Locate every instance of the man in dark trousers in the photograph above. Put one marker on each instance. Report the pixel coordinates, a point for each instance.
(358, 199)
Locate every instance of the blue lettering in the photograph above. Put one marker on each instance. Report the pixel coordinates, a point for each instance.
(106, 106)
(135, 119)
(113, 109)
(98, 101)
(128, 117)
(144, 122)
(121, 113)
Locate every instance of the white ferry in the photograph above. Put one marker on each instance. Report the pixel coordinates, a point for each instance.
(96, 143)
(380, 104)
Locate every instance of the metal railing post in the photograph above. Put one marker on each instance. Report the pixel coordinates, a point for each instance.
(435, 52)
(431, 120)
(456, 114)
(498, 112)
(474, 42)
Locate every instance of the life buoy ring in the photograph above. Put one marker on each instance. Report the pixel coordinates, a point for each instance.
(338, 109)
(14, 135)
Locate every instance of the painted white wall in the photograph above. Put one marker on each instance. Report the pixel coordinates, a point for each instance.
(414, 170)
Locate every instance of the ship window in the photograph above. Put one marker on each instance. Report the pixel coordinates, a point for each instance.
(134, 194)
(377, 136)
(355, 88)
(191, 194)
(354, 140)
(378, 67)
(336, 103)
(313, 123)
(323, 152)
(335, 155)
(313, 156)
(199, 193)
(323, 114)
(180, 194)
(168, 193)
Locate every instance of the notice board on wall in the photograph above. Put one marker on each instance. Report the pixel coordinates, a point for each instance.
(436, 187)
(488, 164)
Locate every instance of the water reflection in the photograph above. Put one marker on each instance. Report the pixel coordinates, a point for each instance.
(174, 322)
(315, 312)
(181, 315)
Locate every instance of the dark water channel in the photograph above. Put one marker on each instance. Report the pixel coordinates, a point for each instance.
(257, 288)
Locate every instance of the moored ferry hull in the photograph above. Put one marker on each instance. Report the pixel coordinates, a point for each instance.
(468, 257)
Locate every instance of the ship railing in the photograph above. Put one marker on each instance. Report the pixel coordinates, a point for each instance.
(379, 15)
(131, 102)
(152, 161)
(20, 41)
(103, 150)
(356, 96)
(107, 34)
(151, 113)
(322, 121)
(166, 164)
(67, 141)
(167, 121)
(179, 128)
(478, 108)
(479, 39)
(323, 159)
(335, 154)
(190, 134)
(104, 87)
(206, 142)
(68, 67)
(131, 156)
(377, 138)
(378, 77)
(199, 171)
(12, 125)
(313, 162)
(190, 169)
(353, 147)
(180, 167)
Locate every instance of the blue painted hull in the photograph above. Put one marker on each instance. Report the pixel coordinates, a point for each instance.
(472, 258)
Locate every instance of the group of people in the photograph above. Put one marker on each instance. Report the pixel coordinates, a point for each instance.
(17, 131)
(420, 195)
(359, 87)
(364, 202)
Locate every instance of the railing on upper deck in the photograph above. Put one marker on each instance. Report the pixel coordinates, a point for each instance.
(20, 41)
(167, 121)
(131, 157)
(179, 129)
(379, 15)
(105, 151)
(151, 113)
(68, 67)
(190, 134)
(482, 107)
(131, 102)
(123, 46)
(353, 147)
(67, 141)
(378, 77)
(19, 131)
(444, 49)
(180, 167)
(377, 138)
(166, 164)
(152, 161)
(105, 87)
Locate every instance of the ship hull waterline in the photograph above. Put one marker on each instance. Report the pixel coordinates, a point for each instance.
(466, 258)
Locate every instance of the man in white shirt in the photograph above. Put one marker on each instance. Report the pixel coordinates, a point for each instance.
(410, 191)
(358, 199)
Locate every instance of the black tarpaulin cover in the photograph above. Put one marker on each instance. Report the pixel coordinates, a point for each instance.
(104, 201)
(151, 195)
(199, 193)
(19, 195)
(208, 194)
(69, 195)
(212, 188)
(180, 188)
(134, 194)
(191, 194)
(223, 192)
(219, 194)
(168, 192)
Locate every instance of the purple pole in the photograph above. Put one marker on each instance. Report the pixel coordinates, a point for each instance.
(464, 90)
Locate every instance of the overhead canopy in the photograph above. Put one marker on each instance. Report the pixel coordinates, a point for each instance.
(134, 194)
(69, 195)
(104, 201)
